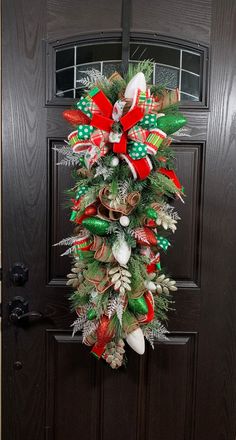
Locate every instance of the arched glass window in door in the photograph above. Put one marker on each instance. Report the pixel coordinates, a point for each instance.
(173, 66)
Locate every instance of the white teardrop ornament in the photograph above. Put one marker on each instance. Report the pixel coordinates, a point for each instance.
(136, 341)
(121, 251)
(137, 82)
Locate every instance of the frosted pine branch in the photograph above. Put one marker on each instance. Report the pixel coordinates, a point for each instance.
(149, 335)
(78, 324)
(89, 327)
(67, 241)
(161, 333)
(111, 308)
(123, 188)
(153, 333)
(139, 234)
(93, 76)
(120, 307)
(102, 170)
(68, 251)
(70, 159)
(167, 216)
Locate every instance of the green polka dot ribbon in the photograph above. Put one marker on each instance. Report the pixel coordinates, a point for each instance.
(82, 190)
(84, 105)
(163, 243)
(94, 91)
(84, 131)
(149, 121)
(137, 150)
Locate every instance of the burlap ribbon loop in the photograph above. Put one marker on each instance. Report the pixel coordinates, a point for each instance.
(119, 208)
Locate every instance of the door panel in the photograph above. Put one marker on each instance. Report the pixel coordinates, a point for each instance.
(103, 402)
(52, 387)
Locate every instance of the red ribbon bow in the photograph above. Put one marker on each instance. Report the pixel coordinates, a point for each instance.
(140, 168)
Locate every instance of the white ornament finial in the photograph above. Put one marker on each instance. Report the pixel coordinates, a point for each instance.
(136, 341)
(137, 82)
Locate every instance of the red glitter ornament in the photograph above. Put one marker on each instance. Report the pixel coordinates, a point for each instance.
(90, 210)
(75, 117)
(145, 237)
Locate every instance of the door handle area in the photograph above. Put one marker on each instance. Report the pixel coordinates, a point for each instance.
(19, 314)
(19, 274)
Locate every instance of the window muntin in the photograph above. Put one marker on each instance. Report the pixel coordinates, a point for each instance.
(173, 66)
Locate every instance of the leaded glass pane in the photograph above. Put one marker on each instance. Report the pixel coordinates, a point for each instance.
(190, 84)
(64, 58)
(173, 66)
(159, 54)
(191, 62)
(166, 76)
(98, 52)
(65, 80)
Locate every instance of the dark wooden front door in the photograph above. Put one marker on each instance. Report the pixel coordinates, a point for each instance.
(52, 388)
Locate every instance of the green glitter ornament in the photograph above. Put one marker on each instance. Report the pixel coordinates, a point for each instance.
(96, 225)
(138, 305)
(171, 123)
(151, 213)
(91, 314)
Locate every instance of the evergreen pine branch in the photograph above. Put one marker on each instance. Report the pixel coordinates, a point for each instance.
(145, 66)
(78, 300)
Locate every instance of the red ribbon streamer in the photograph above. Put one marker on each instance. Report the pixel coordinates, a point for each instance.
(171, 174)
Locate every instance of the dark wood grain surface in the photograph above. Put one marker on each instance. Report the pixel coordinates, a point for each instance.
(217, 348)
(69, 18)
(191, 19)
(52, 388)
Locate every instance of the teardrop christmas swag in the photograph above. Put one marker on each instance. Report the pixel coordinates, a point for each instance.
(124, 181)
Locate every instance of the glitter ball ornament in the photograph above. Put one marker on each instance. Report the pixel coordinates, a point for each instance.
(115, 162)
(124, 220)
